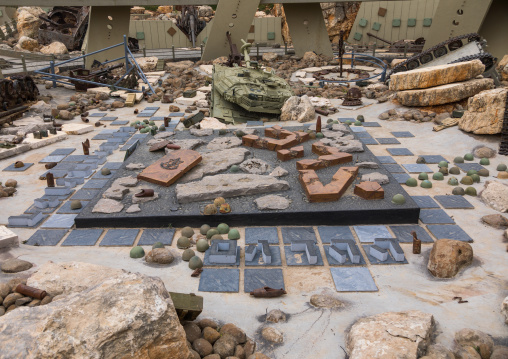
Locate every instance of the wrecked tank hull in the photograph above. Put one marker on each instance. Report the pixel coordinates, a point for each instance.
(242, 94)
(66, 24)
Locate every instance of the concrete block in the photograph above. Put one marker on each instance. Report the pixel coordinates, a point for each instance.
(306, 246)
(9, 152)
(266, 252)
(57, 191)
(349, 246)
(77, 128)
(35, 143)
(338, 254)
(8, 238)
(378, 253)
(25, 219)
(223, 252)
(250, 252)
(393, 246)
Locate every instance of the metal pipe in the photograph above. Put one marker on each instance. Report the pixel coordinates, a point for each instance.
(23, 62)
(121, 78)
(52, 65)
(30, 291)
(257, 51)
(140, 72)
(80, 80)
(173, 52)
(126, 48)
(14, 110)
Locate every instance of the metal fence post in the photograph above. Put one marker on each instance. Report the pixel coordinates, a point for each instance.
(126, 49)
(374, 50)
(84, 60)
(1, 75)
(405, 49)
(173, 52)
(285, 48)
(257, 51)
(353, 59)
(201, 46)
(23, 62)
(52, 65)
(144, 51)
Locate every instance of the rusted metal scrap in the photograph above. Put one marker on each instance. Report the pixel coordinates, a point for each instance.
(403, 45)
(234, 57)
(15, 91)
(66, 24)
(353, 97)
(267, 292)
(31, 291)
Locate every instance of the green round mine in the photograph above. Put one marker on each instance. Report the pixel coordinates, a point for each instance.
(151, 123)
(485, 161)
(146, 121)
(471, 191)
(188, 254)
(157, 245)
(472, 172)
(444, 170)
(319, 135)
(202, 245)
(137, 252)
(105, 171)
(217, 236)
(187, 232)
(453, 181)
(501, 167)
(476, 178)
(467, 180)
(458, 159)
(312, 135)
(443, 164)
(458, 191)
(329, 120)
(426, 184)
(423, 176)
(195, 263)
(223, 228)
(233, 234)
(468, 157)
(348, 122)
(234, 169)
(438, 176)
(204, 228)
(398, 199)
(335, 122)
(358, 123)
(360, 118)
(211, 233)
(183, 243)
(454, 171)
(483, 172)
(76, 204)
(411, 182)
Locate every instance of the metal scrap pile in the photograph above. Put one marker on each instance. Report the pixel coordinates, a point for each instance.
(14, 92)
(66, 24)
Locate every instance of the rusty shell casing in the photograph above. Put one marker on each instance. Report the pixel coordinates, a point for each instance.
(31, 291)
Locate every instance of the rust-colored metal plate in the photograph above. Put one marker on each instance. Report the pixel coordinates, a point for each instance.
(382, 12)
(251, 30)
(170, 168)
(171, 31)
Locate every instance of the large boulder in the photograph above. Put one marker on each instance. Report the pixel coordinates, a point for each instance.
(127, 315)
(502, 68)
(443, 94)
(26, 43)
(28, 22)
(485, 112)
(298, 109)
(436, 75)
(55, 48)
(495, 195)
(269, 56)
(504, 309)
(391, 335)
(475, 339)
(448, 256)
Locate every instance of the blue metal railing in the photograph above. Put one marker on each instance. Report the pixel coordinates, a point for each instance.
(130, 63)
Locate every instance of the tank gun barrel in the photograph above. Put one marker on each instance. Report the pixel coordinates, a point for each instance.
(246, 49)
(377, 37)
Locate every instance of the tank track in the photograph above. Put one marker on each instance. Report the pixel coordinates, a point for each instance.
(487, 59)
(403, 65)
(503, 146)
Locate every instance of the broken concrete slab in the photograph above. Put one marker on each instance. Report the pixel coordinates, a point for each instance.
(216, 162)
(272, 202)
(106, 205)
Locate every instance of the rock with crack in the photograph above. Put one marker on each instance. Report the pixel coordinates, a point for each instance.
(272, 202)
(216, 162)
(375, 177)
(140, 319)
(223, 143)
(255, 166)
(135, 166)
(163, 135)
(448, 257)
(115, 192)
(228, 185)
(106, 205)
(394, 334)
(298, 109)
(495, 195)
(485, 112)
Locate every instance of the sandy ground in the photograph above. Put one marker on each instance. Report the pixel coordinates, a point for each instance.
(311, 332)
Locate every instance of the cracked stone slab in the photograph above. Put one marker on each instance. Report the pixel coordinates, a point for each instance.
(126, 182)
(106, 205)
(375, 177)
(115, 192)
(135, 166)
(255, 166)
(272, 202)
(185, 145)
(228, 185)
(222, 143)
(215, 162)
(279, 172)
(201, 133)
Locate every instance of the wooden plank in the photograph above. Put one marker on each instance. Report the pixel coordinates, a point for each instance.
(170, 168)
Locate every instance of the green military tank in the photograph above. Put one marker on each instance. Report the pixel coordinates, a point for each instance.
(247, 93)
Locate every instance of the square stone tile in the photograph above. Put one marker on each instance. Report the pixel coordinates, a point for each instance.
(139, 136)
(253, 234)
(386, 159)
(157, 118)
(219, 280)
(119, 123)
(11, 168)
(347, 119)
(176, 114)
(258, 258)
(469, 166)
(54, 158)
(127, 129)
(425, 202)
(255, 123)
(97, 114)
(433, 158)
(44, 217)
(32, 209)
(417, 168)
(389, 260)
(113, 165)
(435, 216)
(403, 233)
(399, 152)
(119, 237)
(110, 118)
(364, 135)
(388, 141)
(368, 141)
(76, 158)
(46, 237)
(83, 237)
(152, 108)
(371, 124)
(146, 114)
(353, 279)
(452, 231)
(367, 234)
(64, 166)
(300, 233)
(394, 168)
(60, 221)
(258, 278)
(402, 134)
(62, 151)
(153, 235)
(122, 134)
(100, 137)
(115, 140)
(300, 258)
(94, 184)
(333, 262)
(453, 202)
(327, 233)
(206, 259)
(357, 129)
(401, 178)
(85, 194)
(66, 208)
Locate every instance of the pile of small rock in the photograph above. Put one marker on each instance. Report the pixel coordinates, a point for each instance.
(9, 188)
(80, 103)
(206, 339)
(10, 299)
(411, 115)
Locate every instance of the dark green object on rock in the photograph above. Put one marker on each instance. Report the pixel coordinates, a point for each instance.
(222, 132)
(137, 252)
(319, 135)
(398, 199)
(234, 169)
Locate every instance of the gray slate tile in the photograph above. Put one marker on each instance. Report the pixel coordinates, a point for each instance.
(258, 278)
(83, 237)
(219, 280)
(353, 279)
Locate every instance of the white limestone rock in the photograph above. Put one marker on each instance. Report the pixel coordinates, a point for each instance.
(115, 192)
(216, 162)
(495, 195)
(8, 238)
(298, 109)
(222, 143)
(255, 166)
(279, 172)
(375, 177)
(107, 205)
(272, 202)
